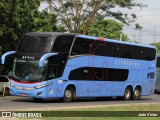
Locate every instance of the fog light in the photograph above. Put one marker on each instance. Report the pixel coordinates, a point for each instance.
(39, 94)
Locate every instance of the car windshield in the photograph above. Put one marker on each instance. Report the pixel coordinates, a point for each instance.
(27, 70)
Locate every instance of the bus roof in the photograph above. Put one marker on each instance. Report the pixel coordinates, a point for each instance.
(118, 41)
(49, 33)
(89, 37)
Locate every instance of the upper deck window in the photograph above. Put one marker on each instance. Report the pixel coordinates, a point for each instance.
(36, 44)
(63, 44)
(84, 46)
(44, 44)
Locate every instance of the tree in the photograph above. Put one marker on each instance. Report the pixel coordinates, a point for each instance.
(77, 14)
(20, 16)
(139, 28)
(157, 45)
(49, 5)
(107, 29)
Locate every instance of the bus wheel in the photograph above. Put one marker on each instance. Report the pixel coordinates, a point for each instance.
(68, 94)
(127, 94)
(136, 94)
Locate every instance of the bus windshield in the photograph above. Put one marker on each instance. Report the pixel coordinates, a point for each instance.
(36, 44)
(27, 70)
(45, 44)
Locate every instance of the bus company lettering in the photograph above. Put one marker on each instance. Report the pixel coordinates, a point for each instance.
(27, 57)
(127, 62)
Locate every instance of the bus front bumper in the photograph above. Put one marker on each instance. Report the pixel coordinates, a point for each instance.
(36, 93)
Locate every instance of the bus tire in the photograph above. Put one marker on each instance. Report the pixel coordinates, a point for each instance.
(127, 94)
(136, 94)
(68, 94)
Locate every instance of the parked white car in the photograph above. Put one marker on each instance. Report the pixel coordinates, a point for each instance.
(4, 80)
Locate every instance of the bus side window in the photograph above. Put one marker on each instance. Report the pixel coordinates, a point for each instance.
(81, 46)
(109, 49)
(84, 74)
(74, 75)
(149, 54)
(79, 74)
(117, 74)
(62, 44)
(53, 71)
(126, 53)
(99, 74)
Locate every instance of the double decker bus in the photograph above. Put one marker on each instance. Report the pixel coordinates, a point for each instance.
(68, 66)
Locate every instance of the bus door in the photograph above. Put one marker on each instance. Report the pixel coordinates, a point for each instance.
(55, 85)
(74, 77)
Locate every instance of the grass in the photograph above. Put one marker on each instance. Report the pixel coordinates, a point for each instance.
(140, 107)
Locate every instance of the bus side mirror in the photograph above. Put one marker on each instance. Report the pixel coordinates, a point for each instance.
(44, 57)
(6, 54)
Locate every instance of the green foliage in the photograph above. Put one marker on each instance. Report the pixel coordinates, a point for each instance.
(79, 15)
(138, 27)
(107, 29)
(157, 47)
(19, 17)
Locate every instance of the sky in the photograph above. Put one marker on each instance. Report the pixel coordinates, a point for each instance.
(148, 17)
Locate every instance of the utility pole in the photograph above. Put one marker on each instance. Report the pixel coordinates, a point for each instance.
(134, 36)
(154, 34)
(120, 37)
(140, 36)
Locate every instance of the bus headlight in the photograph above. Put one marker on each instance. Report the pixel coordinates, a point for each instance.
(44, 85)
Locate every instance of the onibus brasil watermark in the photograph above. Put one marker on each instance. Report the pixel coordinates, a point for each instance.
(38, 114)
(21, 114)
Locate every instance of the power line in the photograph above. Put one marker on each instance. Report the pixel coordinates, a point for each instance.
(146, 26)
(146, 10)
(148, 15)
(144, 31)
(133, 27)
(151, 36)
